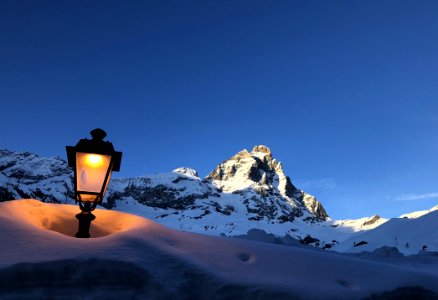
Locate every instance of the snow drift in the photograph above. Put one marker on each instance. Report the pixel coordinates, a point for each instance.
(40, 257)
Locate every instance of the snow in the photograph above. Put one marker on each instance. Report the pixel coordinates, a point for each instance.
(407, 235)
(178, 263)
(419, 213)
(189, 172)
(361, 224)
(237, 223)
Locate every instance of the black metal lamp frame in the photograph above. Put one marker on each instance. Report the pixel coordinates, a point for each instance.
(94, 146)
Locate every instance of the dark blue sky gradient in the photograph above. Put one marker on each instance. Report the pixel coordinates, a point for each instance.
(345, 93)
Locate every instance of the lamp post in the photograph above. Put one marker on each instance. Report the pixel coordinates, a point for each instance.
(93, 162)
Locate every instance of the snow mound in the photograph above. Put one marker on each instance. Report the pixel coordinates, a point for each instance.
(37, 242)
(49, 217)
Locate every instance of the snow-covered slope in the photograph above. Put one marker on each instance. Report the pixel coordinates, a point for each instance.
(417, 214)
(407, 235)
(135, 257)
(362, 224)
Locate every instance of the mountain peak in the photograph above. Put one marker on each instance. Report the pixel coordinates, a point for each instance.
(189, 172)
(247, 168)
(257, 171)
(261, 149)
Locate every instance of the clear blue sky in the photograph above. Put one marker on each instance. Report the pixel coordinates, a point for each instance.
(345, 93)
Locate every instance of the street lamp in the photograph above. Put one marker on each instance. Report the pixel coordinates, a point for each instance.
(93, 162)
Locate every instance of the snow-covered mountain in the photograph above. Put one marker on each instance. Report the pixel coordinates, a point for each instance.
(408, 235)
(27, 175)
(247, 191)
(136, 258)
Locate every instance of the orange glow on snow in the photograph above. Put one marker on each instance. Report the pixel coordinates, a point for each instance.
(61, 218)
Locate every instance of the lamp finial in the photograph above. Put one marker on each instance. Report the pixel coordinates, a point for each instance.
(98, 134)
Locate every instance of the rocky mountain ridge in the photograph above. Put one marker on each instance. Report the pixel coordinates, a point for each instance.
(258, 171)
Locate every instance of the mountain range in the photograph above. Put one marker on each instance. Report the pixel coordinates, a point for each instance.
(248, 196)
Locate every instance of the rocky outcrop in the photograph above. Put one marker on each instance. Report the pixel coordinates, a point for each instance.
(314, 206)
(174, 190)
(372, 220)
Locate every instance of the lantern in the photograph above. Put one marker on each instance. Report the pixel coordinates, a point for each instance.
(93, 162)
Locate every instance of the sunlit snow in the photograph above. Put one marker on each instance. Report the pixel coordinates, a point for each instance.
(181, 263)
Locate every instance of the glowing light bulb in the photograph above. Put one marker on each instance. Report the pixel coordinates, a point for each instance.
(94, 160)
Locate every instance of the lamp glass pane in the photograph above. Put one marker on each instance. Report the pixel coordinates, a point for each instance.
(91, 170)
